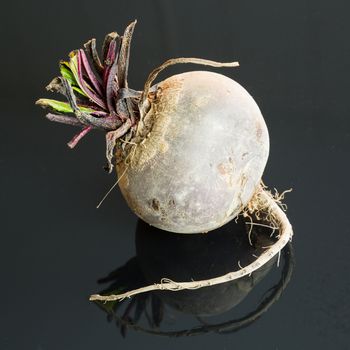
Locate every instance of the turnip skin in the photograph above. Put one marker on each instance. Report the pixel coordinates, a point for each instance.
(202, 151)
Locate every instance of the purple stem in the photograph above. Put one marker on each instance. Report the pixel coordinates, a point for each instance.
(64, 119)
(105, 46)
(99, 114)
(124, 54)
(110, 57)
(86, 118)
(90, 73)
(90, 47)
(111, 85)
(72, 143)
(122, 110)
(82, 84)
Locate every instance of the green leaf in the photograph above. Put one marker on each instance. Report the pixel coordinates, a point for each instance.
(60, 106)
(78, 76)
(86, 109)
(73, 66)
(80, 91)
(67, 73)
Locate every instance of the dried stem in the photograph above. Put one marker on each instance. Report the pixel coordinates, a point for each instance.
(102, 83)
(267, 204)
(90, 47)
(64, 119)
(143, 105)
(92, 86)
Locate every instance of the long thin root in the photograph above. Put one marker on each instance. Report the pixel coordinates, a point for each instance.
(262, 202)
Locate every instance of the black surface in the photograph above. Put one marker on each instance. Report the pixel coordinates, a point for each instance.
(294, 58)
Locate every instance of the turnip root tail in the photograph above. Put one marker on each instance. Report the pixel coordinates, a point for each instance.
(262, 203)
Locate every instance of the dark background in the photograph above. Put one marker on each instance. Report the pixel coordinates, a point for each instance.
(294, 58)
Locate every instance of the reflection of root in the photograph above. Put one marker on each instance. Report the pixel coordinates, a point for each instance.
(269, 298)
(265, 206)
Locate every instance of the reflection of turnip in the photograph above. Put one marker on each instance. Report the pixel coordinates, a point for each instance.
(189, 151)
(181, 257)
(184, 258)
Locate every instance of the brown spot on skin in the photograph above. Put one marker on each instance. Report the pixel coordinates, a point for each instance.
(226, 170)
(258, 131)
(155, 204)
(171, 203)
(168, 84)
(222, 169)
(244, 155)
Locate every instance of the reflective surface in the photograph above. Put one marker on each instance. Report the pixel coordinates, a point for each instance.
(294, 60)
(197, 257)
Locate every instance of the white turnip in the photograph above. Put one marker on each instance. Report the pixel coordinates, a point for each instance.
(201, 157)
(189, 151)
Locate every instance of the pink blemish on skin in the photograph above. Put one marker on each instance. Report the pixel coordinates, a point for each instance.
(222, 169)
(226, 170)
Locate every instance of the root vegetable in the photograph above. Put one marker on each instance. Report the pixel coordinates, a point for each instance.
(203, 151)
(189, 151)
